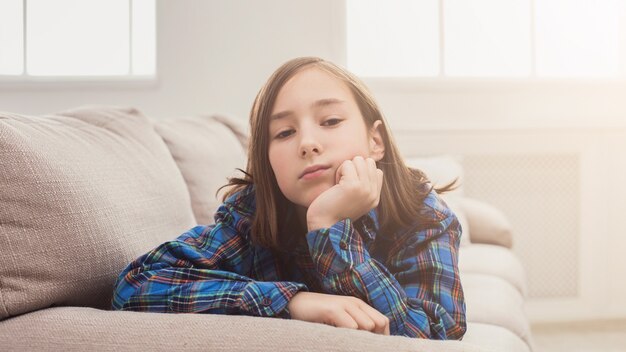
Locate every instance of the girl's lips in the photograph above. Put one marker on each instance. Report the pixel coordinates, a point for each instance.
(314, 174)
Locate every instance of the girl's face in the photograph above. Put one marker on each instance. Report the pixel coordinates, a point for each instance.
(315, 121)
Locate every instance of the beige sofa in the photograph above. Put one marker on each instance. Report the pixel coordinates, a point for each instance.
(85, 191)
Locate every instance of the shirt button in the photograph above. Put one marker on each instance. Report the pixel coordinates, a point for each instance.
(266, 301)
(343, 245)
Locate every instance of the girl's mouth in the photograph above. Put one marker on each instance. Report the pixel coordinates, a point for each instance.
(314, 174)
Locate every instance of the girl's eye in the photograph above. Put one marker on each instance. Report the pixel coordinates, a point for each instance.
(332, 121)
(283, 134)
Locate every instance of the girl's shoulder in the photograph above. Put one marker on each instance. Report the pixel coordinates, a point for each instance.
(434, 205)
(242, 201)
(431, 210)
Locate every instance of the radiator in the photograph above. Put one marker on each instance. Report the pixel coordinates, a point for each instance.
(540, 195)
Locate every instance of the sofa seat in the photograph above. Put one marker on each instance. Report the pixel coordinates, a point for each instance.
(492, 300)
(494, 260)
(496, 337)
(84, 329)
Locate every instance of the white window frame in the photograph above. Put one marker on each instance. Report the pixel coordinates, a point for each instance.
(84, 81)
(530, 90)
(339, 45)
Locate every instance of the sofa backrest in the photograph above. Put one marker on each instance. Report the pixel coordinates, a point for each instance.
(82, 193)
(208, 150)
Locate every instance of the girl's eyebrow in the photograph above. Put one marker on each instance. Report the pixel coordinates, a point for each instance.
(317, 104)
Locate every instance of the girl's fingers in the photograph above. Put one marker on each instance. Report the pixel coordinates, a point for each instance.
(381, 321)
(338, 173)
(379, 181)
(371, 168)
(362, 318)
(344, 320)
(361, 168)
(347, 170)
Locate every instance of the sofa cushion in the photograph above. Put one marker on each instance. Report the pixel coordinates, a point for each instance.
(494, 260)
(238, 126)
(492, 300)
(488, 223)
(85, 329)
(207, 152)
(497, 337)
(82, 193)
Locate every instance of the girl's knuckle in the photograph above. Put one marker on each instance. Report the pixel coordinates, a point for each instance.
(329, 312)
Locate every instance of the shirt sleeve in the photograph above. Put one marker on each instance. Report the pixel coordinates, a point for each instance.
(420, 291)
(202, 271)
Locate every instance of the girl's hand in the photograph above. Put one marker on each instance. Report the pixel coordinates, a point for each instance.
(356, 192)
(340, 311)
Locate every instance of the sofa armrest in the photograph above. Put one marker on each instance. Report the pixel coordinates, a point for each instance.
(487, 223)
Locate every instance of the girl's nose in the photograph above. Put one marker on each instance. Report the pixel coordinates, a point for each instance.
(309, 145)
(309, 150)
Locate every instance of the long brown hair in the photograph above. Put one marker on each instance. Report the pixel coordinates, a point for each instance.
(396, 210)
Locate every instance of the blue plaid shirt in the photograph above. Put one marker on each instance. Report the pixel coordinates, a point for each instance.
(411, 276)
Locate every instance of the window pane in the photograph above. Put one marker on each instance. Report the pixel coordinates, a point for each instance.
(393, 38)
(487, 38)
(78, 37)
(578, 37)
(144, 37)
(11, 37)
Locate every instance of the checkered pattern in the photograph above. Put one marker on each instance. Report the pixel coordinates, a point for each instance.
(411, 276)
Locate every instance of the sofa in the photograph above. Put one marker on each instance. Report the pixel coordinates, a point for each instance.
(85, 191)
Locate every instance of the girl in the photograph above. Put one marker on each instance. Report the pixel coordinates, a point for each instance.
(328, 225)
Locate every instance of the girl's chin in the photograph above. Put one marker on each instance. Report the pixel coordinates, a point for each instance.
(306, 198)
(306, 203)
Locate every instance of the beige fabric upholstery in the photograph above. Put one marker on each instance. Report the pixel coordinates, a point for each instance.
(238, 126)
(492, 300)
(207, 153)
(494, 260)
(488, 223)
(86, 329)
(83, 193)
(495, 336)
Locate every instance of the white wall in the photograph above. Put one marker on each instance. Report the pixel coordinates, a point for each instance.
(213, 56)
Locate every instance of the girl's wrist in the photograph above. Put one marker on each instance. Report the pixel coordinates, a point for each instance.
(316, 224)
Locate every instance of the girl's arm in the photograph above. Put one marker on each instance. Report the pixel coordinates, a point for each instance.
(202, 271)
(420, 293)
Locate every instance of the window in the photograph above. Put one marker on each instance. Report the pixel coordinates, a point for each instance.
(487, 38)
(77, 38)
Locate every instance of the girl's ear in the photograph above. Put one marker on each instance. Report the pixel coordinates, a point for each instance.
(377, 145)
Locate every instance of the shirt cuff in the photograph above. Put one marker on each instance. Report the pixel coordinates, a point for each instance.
(269, 299)
(337, 248)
